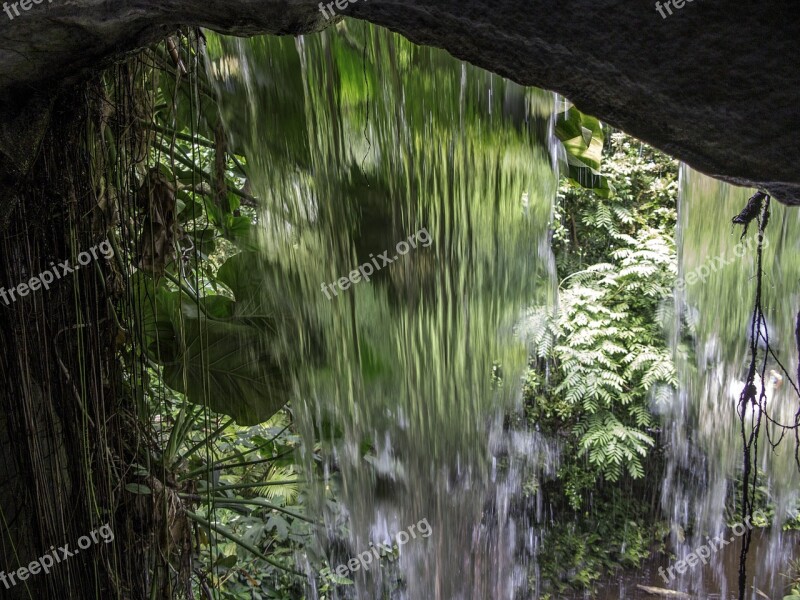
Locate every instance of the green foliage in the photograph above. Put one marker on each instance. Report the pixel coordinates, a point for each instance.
(645, 185)
(582, 138)
(203, 341)
(600, 359)
(607, 348)
(604, 340)
(580, 552)
(199, 314)
(794, 581)
(258, 502)
(221, 352)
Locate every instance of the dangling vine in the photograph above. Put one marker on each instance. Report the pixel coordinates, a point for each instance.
(757, 208)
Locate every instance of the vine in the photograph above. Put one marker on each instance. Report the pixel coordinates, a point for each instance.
(757, 208)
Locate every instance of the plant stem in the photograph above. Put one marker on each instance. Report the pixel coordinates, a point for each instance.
(236, 540)
(222, 500)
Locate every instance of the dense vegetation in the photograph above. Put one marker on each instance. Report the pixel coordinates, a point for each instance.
(601, 361)
(206, 330)
(602, 371)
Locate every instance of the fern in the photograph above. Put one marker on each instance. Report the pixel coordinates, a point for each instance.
(281, 484)
(609, 354)
(600, 360)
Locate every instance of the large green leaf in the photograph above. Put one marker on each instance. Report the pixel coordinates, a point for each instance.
(224, 353)
(264, 293)
(155, 307)
(582, 137)
(228, 367)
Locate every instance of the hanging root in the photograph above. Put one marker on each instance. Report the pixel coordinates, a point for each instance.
(758, 208)
(797, 414)
(753, 210)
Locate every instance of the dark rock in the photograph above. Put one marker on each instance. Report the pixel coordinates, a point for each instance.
(713, 84)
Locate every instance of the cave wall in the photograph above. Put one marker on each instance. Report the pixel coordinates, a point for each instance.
(714, 85)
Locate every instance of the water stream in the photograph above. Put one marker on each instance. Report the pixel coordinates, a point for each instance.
(702, 427)
(436, 177)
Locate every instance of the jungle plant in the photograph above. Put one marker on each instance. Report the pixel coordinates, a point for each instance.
(604, 340)
(202, 348)
(600, 359)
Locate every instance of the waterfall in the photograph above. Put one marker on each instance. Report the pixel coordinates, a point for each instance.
(363, 143)
(702, 434)
(406, 205)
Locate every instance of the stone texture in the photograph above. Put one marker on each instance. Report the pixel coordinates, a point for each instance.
(715, 85)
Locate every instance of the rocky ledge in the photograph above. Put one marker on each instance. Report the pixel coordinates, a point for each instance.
(713, 84)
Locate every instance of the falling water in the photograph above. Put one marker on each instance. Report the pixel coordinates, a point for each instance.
(702, 430)
(361, 140)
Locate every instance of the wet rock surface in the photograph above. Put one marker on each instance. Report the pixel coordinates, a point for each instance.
(714, 85)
